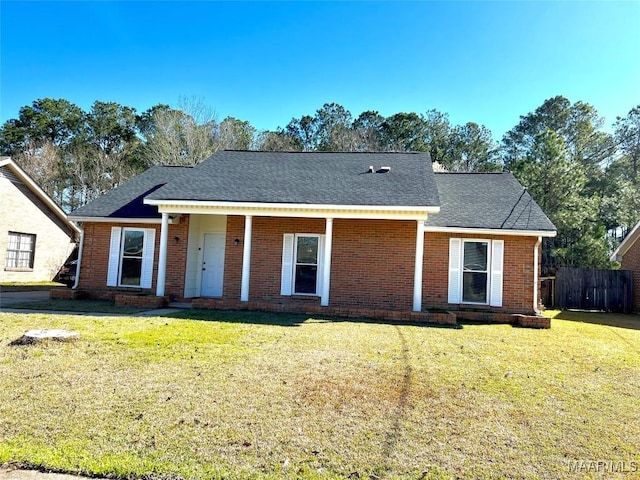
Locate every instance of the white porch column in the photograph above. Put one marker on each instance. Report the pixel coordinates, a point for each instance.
(326, 267)
(417, 277)
(536, 276)
(246, 259)
(162, 255)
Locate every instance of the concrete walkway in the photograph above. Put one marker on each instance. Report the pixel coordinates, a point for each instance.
(10, 298)
(17, 474)
(7, 299)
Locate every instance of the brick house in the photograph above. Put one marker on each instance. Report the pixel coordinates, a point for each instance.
(628, 254)
(36, 237)
(367, 234)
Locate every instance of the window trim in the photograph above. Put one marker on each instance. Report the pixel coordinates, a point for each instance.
(121, 255)
(116, 248)
(32, 252)
(318, 264)
(487, 272)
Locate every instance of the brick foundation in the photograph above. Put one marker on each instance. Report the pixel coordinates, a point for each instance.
(519, 320)
(532, 321)
(312, 308)
(143, 301)
(62, 294)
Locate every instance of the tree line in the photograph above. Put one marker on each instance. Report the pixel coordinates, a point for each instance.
(584, 178)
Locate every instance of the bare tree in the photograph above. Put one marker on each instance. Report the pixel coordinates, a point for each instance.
(42, 162)
(181, 137)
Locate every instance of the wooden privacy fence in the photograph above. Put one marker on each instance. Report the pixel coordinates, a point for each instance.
(592, 289)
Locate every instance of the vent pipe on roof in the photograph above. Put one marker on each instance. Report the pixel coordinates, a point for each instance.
(371, 169)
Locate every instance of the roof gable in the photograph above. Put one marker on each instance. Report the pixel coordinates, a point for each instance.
(490, 201)
(126, 200)
(626, 244)
(13, 173)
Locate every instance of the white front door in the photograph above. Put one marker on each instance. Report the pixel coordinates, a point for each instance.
(213, 265)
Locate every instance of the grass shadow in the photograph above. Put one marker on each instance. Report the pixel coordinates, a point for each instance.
(241, 316)
(620, 320)
(286, 319)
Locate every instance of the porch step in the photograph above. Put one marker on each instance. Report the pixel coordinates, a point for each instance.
(185, 305)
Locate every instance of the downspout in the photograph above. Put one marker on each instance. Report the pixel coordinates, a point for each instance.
(536, 275)
(79, 261)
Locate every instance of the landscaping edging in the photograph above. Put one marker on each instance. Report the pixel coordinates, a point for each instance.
(440, 318)
(140, 300)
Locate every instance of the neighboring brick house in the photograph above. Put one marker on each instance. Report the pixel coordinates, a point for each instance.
(36, 237)
(628, 254)
(342, 233)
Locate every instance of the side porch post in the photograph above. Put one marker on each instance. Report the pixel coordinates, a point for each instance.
(417, 278)
(326, 267)
(246, 259)
(162, 256)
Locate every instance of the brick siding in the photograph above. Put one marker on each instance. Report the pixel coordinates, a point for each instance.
(517, 282)
(372, 265)
(95, 259)
(631, 261)
(23, 212)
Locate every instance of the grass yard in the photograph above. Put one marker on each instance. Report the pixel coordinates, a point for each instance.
(241, 395)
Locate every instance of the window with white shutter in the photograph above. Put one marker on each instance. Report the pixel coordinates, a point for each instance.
(302, 264)
(131, 257)
(476, 271)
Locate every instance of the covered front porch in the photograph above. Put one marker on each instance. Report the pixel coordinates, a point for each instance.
(256, 256)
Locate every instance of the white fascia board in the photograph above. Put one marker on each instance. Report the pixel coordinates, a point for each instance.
(293, 209)
(41, 194)
(157, 221)
(626, 244)
(492, 231)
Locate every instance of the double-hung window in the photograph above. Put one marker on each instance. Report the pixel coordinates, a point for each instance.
(131, 257)
(21, 250)
(475, 271)
(302, 264)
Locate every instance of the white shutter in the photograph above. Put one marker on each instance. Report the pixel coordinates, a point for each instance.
(320, 260)
(497, 260)
(114, 257)
(148, 249)
(286, 281)
(455, 245)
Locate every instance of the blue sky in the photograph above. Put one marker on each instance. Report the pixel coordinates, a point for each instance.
(264, 62)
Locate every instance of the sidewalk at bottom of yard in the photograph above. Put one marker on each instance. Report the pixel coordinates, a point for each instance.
(17, 474)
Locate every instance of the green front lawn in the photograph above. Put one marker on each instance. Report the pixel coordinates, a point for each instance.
(241, 395)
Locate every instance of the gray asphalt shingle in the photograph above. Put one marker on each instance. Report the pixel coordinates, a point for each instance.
(125, 201)
(466, 200)
(487, 201)
(308, 178)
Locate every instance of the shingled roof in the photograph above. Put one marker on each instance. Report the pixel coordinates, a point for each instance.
(316, 178)
(495, 201)
(486, 201)
(125, 201)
